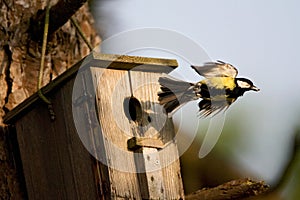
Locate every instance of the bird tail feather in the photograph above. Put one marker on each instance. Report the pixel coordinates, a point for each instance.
(174, 93)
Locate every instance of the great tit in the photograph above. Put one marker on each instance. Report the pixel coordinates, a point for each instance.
(218, 90)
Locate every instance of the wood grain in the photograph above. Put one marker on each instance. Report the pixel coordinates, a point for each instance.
(55, 163)
(92, 119)
(159, 176)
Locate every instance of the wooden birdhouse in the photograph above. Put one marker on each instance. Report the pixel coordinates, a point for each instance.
(110, 139)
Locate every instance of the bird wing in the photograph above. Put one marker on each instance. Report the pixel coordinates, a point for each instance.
(216, 69)
(214, 106)
(213, 109)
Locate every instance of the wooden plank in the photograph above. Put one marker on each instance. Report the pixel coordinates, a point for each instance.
(55, 163)
(88, 127)
(120, 62)
(125, 62)
(79, 170)
(162, 164)
(151, 178)
(112, 86)
(145, 173)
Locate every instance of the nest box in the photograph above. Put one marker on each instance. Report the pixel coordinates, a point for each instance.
(110, 139)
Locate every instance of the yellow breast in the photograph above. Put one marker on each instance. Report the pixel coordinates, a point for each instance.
(220, 82)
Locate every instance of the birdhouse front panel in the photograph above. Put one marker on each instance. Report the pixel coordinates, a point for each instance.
(127, 108)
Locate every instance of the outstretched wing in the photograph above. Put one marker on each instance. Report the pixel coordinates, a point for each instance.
(216, 69)
(207, 108)
(213, 107)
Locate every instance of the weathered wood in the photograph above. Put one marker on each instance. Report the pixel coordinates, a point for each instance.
(20, 60)
(125, 62)
(118, 158)
(55, 163)
(159, 171)
(155, 124)
(119, 62)
(136, 143)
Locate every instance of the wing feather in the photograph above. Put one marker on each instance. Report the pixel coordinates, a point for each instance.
(216, 69)
(213, 107)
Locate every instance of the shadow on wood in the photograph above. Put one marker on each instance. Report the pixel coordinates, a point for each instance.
(84, 152)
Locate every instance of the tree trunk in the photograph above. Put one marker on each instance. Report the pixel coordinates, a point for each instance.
(19, 65)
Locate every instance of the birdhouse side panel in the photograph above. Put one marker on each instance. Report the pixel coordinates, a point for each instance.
(56, 165)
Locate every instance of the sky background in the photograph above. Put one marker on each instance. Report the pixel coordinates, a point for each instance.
(260, 38)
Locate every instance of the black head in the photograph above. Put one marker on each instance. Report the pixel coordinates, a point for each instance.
(246, 84)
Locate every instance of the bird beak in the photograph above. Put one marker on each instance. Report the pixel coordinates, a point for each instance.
(254, 88)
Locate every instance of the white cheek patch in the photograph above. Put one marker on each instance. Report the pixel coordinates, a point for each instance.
(243, 84)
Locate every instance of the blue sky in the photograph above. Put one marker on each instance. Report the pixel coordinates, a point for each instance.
(261, 38)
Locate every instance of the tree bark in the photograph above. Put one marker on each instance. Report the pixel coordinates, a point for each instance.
(19, 66)
(236, 189)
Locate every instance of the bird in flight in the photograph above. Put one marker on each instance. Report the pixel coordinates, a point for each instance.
(218, 90)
